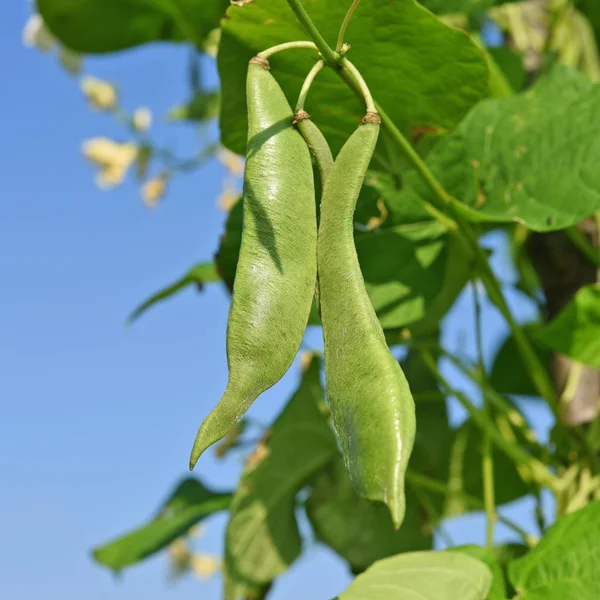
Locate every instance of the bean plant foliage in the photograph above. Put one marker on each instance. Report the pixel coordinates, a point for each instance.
(476, 137)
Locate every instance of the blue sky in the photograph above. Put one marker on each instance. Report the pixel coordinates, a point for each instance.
(96, 418)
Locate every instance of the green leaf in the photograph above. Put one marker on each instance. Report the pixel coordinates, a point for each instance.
(398, 37)
(202, 107)
(228, 253)
(564, 565)
(198, 275)
(509, 374)
(498, 587)
(98, 26)
(190, 503)
(422, 575)
(575, 331)
(262, 538)
(447, 7)
(361, 531)
(530, 158)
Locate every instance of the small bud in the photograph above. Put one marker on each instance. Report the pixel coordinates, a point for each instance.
(142, 119)
(100, 94)
(37, 35)
(154, 190)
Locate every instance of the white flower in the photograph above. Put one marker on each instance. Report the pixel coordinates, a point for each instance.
(112, 158)
(232, 162)
(37, 35)
(204, 565)
(100, 94)
(142, 118)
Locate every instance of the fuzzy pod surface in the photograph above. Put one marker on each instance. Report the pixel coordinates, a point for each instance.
(367, 392)
(276, 273)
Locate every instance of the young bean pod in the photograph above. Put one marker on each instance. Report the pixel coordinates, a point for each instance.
(276, 273)
(370, 401)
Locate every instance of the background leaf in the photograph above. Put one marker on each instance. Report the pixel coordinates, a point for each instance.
(262, 538)
(98, 26)
(439, 575)
(398, 37)
(498, 587)
(189, 504)
(575, 331)
(564, 565)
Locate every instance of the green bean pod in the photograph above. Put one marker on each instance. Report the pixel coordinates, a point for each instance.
(276, 272)
(370, 401)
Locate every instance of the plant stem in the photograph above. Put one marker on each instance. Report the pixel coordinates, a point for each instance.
(345, 23)
(328, 54)
(307, 85)
(446, 203)
(487, 460)
(539, 471)
(287, 46)
(439, 488)
(582, 244)
(364, 88)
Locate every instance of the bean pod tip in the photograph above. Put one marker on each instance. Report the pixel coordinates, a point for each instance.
(371, 117)
(301, 115)
(261, 61)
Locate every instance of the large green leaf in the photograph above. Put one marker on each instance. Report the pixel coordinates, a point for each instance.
(198, 275)
(401, 48)
(360, 531)
(190, 503)
(446, 7)
(509, 374)
(98, 26)
(530, 158)
(575, 331)
(564, 565)
(498, 587)
(423, 576)
(262, 537)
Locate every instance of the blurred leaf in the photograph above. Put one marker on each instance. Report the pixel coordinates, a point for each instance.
(509, 374)
(423, 575)
(199, 275)
(564, 565)
(189, 504)
(466, 472)
(361, 531)
(400, 37)
(98, 26)
(530, 158)
(510, 63)
(202, 107)
(498, 587)
(262, 538)
(445, 7)
(229, 247)
(575, 331)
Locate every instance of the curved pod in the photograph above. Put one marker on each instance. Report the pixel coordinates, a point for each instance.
(370, 401)
(276, 273)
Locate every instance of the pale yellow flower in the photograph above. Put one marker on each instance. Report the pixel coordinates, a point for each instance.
(154, 189)
(100, 94)
(142, 118)
(112, 158)
(204, 565)
(70, 60)
(37, 35)
(233, 162)
(228, 196)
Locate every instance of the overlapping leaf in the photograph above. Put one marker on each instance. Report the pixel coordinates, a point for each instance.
(190, 503)
(430, 575)
(262, 537)
(564, 565)
(98, 26)
(400, 47)
(498, 587)
(531, 158)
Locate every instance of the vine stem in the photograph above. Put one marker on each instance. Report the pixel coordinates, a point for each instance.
(345, 23)
(328, 54)
(287, 46)
(439, 488)
(307, 85)
(364, 88)
(446, 203)
(539, 471)
(487, 460)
